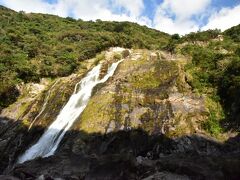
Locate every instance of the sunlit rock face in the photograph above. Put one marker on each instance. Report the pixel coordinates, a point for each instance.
(148, 92)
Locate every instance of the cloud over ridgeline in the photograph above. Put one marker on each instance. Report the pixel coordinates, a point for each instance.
(174, 17)
(171, 16)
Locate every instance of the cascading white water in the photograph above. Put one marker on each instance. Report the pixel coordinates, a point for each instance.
(49, 141)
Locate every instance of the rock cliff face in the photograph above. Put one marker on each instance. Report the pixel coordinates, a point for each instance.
(145, 122)
(148, 92)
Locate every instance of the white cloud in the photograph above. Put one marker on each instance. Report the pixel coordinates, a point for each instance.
(171, 26)
(28, 5)
(85, 9)
(184, 9)
(224, 19)
(134, 7)
(176, 16)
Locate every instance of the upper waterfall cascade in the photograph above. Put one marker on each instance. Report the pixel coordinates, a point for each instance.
(49, 141)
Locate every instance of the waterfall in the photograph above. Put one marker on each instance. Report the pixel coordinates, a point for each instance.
(49, 141)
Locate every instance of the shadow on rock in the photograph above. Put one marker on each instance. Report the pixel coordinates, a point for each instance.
(132, 154)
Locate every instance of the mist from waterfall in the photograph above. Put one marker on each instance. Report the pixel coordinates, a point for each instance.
(49, 141)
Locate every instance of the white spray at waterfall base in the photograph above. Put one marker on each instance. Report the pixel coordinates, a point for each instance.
(49, 141)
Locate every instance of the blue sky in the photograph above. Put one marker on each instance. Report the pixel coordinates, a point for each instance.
(171, 16)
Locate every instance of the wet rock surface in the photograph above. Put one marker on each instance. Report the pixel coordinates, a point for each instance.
(143, 123)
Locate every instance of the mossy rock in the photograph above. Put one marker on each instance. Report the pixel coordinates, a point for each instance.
(97, 115)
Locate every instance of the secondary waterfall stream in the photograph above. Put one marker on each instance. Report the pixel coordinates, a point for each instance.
(44, 105)
(49, 141)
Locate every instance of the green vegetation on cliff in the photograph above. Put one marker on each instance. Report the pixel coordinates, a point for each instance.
(234, 33)
(38, 45)
(215, 71)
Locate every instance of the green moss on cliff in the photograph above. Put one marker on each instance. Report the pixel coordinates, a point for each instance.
(145, 81)
(155, 74)
(97, 115)
(182, 124)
